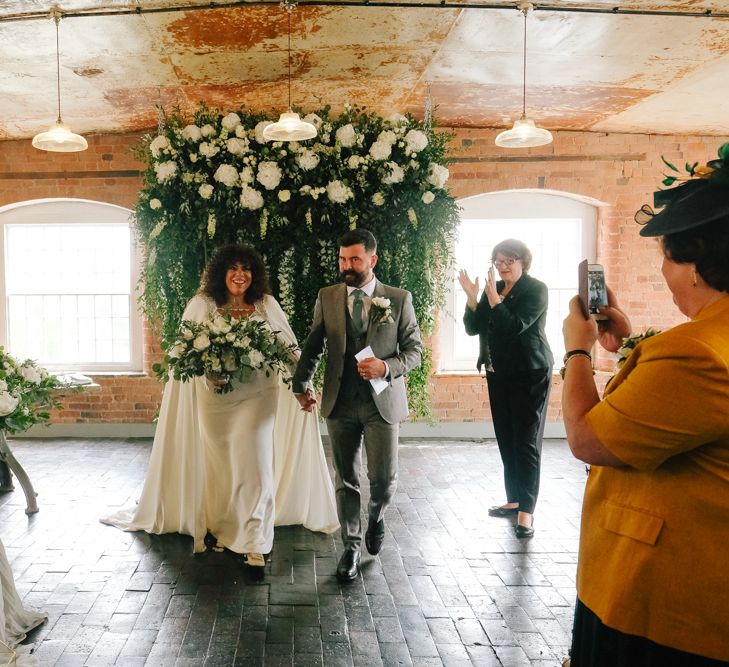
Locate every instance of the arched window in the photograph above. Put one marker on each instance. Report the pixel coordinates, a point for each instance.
(68, 284)
(560, 231)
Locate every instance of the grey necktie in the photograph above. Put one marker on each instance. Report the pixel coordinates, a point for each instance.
(357, 309)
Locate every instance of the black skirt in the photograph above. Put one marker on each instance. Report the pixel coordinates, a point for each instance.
(596, 645)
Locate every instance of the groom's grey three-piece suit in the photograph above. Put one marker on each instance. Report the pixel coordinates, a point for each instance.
(349, 403)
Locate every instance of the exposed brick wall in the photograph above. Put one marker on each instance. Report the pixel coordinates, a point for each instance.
(622, 171)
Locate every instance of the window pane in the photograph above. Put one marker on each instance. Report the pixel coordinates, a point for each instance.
(68, 290)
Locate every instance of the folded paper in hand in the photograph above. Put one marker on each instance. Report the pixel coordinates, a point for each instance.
(378, 384)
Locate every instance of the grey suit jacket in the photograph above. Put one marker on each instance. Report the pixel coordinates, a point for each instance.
(397, 343)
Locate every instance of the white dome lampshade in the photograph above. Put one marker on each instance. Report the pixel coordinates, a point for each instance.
(524, 134)
(59, 139)
(289, 128)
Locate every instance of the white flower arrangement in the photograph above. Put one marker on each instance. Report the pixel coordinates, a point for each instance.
(428, 197)
(381, 150)
(437, 175)
(206, 190)
(415, 141)
(346, 136)
(158, 144)
(630, 343)
(269, 175)
(237, 146)
(251, 198)
(208, 149)
(228, 348)
(230, 121)
(338, 192)
(191, 133)
(165, 171)
(396, 175)
(226, 174)
(307, 160)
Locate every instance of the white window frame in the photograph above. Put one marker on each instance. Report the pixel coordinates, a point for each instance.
(78, 211)
(513, 204)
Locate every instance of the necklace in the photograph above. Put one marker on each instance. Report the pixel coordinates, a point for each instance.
(238, 311)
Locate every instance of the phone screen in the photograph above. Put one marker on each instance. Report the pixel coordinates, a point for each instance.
(596, 289)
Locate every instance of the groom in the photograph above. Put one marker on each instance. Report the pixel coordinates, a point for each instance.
(362, 314)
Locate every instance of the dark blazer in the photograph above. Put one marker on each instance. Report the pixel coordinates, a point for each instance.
(397, 343)
(512, 337)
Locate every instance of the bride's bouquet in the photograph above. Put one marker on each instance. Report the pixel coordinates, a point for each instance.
(630, 343)
(225, 348)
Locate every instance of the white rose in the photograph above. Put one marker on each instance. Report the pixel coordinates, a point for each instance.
(194, 157)
(307, 159)
(159, 143)
(154, 204)
(191, 133)
(346, 136)
(206, 190)
(202, 342)
(242, 342)
(378, 199)
(256, 357)
(427, 197)
(380, 150)
(226, 174)
(381, 302)
(219, 325)
(251, 198)
(259, 131)
(8, 403)
(231, 121)
(396, 174)
(175, 351)
(207, 130)
(284, 195)
(188, 177)
(416, 141)
(338, 192)
(354, 161)
(208, 150)
(165, 171)
(31, 374)
(246, 175)
(237, 146)
(437, 175)
(269, 175)
(387, 137)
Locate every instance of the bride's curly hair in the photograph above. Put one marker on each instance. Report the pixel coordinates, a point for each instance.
(225, 257)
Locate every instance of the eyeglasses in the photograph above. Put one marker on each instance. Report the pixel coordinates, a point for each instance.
(508, 261)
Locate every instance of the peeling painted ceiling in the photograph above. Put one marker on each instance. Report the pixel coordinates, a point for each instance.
(640, 66)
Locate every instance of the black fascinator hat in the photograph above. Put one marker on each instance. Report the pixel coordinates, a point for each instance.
(701, 199)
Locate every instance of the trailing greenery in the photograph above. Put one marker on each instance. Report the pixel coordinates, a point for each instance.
(214, 180)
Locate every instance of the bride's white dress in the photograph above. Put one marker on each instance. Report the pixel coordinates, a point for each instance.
(229, 463)
(15, 620)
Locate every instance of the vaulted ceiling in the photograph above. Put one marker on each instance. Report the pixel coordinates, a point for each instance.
(643, 66)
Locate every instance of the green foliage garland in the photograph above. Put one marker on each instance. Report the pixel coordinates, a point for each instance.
(216, 181)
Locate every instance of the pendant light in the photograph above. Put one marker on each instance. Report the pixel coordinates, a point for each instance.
(59, 138)
(289, 126)
(524, 133)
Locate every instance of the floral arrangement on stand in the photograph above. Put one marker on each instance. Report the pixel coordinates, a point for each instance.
(630, 343)
(26, 393)
(226, 348)
(212, 179)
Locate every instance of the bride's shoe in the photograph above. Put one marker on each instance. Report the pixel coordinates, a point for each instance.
(254, 559)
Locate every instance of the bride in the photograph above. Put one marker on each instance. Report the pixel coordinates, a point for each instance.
(233, 464)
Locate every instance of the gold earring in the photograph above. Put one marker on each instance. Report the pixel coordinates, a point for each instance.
(695, 279)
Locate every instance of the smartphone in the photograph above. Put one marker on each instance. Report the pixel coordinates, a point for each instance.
(592, 288)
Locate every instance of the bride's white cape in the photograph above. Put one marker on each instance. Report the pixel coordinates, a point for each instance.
(15, 620)
(173, 499)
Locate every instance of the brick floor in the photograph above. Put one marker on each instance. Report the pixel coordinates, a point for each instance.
(451, 586)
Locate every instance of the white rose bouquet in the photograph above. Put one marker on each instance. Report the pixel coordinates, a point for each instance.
(228, 348)
(25, 393)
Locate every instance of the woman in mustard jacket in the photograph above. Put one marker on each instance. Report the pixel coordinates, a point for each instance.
(652, 586)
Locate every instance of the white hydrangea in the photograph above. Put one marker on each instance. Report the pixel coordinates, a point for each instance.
(191, 133)
(437, 175)
(387, 137)
(155, 203)
(206, 190)
(338, 192)
(427, 197)
(396, 174)
(313, 119)
(8, 403)
(354, 161)
(226, 174)
(259, 131)
(346, 136)
(207, 130)
(246, 175)
(307, 159)
(269, 175)
(416, 141)
(251, 199)
(208, 149)
(231, 121)
(241, 132)
(237, 146)
(165, 171)
(378, 199)
(159, 143)
(284, 195)
(380, 150)
(30, 373)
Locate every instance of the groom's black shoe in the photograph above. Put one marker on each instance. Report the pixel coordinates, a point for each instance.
(375, 536)
(348, 567)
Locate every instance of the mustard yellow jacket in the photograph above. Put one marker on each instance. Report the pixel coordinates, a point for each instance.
(655, 534)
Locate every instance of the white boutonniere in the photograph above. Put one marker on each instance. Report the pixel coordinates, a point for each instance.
(381, 311)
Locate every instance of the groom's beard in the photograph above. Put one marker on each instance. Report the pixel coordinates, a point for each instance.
(353, 278)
